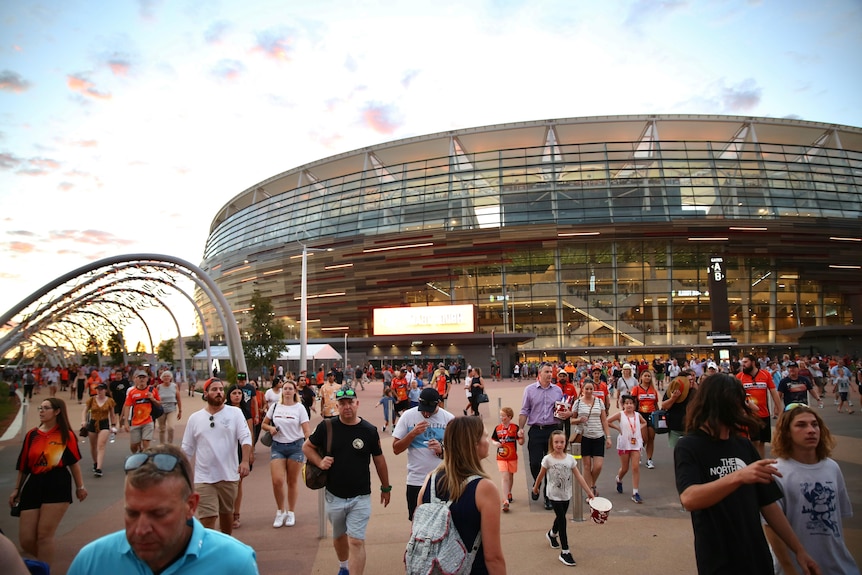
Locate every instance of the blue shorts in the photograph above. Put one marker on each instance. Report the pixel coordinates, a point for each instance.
(349, 515)
(291, 451)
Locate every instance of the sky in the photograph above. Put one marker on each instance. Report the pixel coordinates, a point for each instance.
(126, 125)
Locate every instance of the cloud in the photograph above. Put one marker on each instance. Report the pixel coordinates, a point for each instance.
(743, 97)
(9, 162)
(409, 77)
(274, 44)
(792, 117)
(78, 83)
(21, 247)
(27, 233)
(147, 8)
(85, 144)
(38, 167)
(13, 82)
(119, 65)
(65, 186)
(380, 118)
(90, 237)
(643, 11)
(228, 70)
(216, 32)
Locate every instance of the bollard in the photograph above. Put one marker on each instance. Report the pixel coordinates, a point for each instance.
(577, 492)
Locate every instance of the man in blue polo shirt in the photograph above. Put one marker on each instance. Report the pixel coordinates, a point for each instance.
(162, 534)
(537, 411)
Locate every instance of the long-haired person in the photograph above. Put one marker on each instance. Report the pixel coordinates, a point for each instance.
(727, 487)
(589, 412)
(815, 495)
(648, 399)
(234, 397)
(287, 421)
(475, 504)
(100, 420)
(46, 466)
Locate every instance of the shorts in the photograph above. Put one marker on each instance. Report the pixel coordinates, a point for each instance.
(507, 465)
(622, 452)
(843, 395)
(593, 447)
(52, 487)
(349, 515)
(216, 498)
(96, 426)
(764, 434)
(291, 451)
(140, 433)
(401, 406)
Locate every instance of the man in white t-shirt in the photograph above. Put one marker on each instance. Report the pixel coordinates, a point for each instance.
(210, 439)
(420, 431)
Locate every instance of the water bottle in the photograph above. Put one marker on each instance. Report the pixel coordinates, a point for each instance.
(113, 434)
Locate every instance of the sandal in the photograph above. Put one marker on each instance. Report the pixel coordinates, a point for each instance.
(236, 523)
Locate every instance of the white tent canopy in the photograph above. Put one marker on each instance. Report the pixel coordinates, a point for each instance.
(314, 351)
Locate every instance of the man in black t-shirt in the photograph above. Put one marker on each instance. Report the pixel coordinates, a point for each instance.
(355, 444)
(795, 388)
(118, 386)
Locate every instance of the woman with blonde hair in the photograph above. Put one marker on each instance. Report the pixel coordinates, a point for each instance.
(475, 504)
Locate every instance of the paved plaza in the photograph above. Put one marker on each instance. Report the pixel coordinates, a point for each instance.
(654, 537)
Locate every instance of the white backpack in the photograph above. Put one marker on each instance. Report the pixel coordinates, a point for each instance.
(435, 548)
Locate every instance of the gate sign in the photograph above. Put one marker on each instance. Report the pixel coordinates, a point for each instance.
(718, 306)
(424, 320)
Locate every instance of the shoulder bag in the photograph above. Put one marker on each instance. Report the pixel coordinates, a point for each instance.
(156, 409)
(315, 477)
(266, 436)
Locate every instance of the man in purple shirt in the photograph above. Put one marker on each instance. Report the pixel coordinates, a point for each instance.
(537, 411)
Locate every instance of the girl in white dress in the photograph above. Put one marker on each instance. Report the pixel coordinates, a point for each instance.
(631, 425)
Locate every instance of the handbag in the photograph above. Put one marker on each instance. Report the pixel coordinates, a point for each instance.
(156, 409)
(659, 421)
(84, 432)
(266, 436)
(315, 477)
(579, 429)
(483, 398)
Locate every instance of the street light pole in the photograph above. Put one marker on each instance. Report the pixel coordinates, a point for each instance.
(303, 313)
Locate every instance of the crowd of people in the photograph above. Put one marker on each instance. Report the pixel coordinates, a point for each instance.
(718, 417)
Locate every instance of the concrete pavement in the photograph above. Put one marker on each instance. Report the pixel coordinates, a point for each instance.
(654, 537)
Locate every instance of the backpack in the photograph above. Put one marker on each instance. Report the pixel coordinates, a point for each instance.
(435, 548)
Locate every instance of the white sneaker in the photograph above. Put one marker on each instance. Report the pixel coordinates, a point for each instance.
(289, 519)
(280, 517)
(650, 464)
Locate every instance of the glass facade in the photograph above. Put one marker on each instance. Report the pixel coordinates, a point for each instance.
(582, 243)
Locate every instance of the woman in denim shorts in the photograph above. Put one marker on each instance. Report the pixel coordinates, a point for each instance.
(287, 421)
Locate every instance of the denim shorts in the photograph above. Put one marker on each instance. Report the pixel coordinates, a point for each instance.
(349, 515)
(292, 450)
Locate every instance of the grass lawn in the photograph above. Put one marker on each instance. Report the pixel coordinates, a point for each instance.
(8, 407)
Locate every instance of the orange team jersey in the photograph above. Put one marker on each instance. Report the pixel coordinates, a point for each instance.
(399, 384)
(441, 384)
(319, 378)
(44, 451)
(601, 391)
(569, 390)
(647, 398)
(507, 436)
(141, 406)
(92, 382)
(758, 388)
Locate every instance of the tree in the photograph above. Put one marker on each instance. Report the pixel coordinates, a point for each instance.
(140, 348)
(165, 351)
(116, 348)
(266, 334)
(92, 351)
(195, 344)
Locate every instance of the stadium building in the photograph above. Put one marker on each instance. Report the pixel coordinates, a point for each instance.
(569, 237)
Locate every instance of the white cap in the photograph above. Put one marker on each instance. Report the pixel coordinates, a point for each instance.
(711, 365)
(627, 366)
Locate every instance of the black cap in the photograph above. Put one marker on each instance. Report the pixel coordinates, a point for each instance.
(792, 364)
(429, 399)
(101, 386)
(241, 375)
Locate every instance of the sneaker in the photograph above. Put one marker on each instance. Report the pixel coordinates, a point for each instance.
(637, 498)
(505, 506)
(98, 473)
(509, 497)
(290, 519)
(280, 517)
(343, 571)
(552, 539)
(567, 559)
(548, 505)
(619, 485)
(94, 468)
(383, 428)
(650, 464)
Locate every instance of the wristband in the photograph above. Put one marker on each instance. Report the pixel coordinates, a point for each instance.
(385, 489)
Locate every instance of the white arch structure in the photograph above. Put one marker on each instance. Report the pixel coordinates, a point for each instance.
(53, 303)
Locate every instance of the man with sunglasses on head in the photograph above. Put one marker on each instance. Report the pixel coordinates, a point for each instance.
(355, 443)
(139, 400)
(210, 439)
(162, 534)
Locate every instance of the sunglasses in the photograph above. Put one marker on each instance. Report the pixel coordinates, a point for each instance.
(345, 393)
(212, 421)
(794, 405)
(164, 462)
